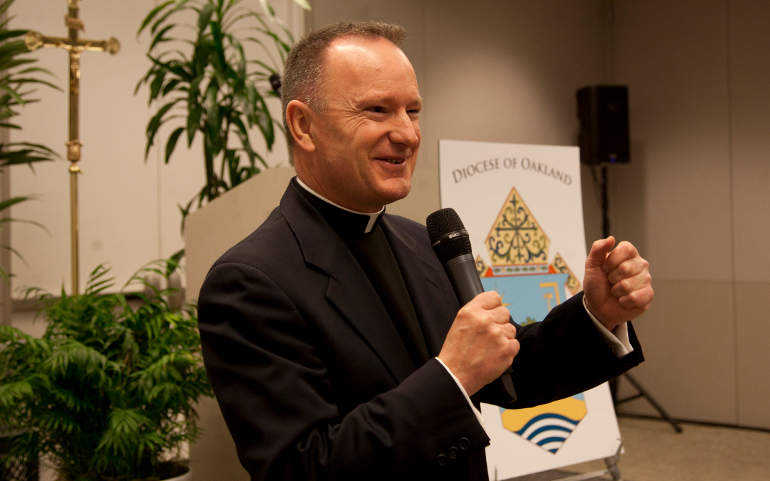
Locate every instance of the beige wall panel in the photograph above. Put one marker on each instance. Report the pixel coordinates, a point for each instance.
(506, 72)
(750, 104)
(408, 13)
(213, 456)
(219, 225)
(752, 320)
(689, 347)
(673, 57)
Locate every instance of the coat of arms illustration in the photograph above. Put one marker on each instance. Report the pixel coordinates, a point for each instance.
(531, 283)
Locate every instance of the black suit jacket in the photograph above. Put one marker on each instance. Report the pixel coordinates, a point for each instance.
(314, 381)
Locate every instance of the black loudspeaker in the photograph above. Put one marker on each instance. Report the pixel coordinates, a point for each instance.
(603, 114)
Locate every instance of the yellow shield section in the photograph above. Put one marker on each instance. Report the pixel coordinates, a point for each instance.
(547, 425)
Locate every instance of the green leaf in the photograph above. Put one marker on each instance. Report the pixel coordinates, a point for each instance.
(241, 58)
(7, 203)
(170, 86)
(13, 94)
(217, 57)
(8, 34)
(200, 60)
(194, 115)
(212, 106)
(211, 179)
(268, 68)
(15, 62)
(151, 15)
(243, 135)
(174, 66)
(5, 5)
(266, 50)
(154, 124)
(36, 81)
(204, 17)
(156, 85)
(159, 37)
(185, 211)
(264, 120)
(171, 144)
(180, 5)
(29, 153)
(232, 160)
(11, 49)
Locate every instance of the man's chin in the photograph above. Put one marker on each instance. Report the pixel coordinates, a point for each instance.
(396, 192)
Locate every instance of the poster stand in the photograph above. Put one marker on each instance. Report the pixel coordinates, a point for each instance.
(613, 469)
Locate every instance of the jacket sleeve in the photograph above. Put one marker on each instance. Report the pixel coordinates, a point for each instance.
(271, 379)
(563, 355)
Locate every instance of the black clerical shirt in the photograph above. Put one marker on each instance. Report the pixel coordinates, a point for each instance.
(369, 244)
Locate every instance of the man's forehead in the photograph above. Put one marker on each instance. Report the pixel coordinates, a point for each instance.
(359, 48)
(358, 68)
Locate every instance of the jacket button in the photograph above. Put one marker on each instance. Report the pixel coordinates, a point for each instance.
(464, 443)
(442, 460)
(452, 452)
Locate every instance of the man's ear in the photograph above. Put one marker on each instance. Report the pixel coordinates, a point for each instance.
(298, 121)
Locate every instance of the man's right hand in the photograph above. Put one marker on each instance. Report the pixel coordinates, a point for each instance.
(481, 343)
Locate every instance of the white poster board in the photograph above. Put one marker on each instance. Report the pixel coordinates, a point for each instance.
(521, 206)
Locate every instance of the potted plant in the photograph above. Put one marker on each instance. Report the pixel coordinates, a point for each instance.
(109, 390)
(204, 82)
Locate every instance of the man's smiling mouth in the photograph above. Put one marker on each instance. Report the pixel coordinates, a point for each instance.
(397, 161)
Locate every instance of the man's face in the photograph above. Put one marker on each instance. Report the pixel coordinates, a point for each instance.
(366, 132)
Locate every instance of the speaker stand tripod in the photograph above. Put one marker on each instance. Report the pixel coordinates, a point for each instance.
(641, 392)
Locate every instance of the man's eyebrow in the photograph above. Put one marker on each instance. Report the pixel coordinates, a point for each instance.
(374, 98)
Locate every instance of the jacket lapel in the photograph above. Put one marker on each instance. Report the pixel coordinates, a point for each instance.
(348, 290)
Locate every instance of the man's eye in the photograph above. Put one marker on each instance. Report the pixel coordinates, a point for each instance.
(379, 109)
(413, 112)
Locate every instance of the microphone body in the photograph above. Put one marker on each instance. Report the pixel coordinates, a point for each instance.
(452, 246)
(464, 278)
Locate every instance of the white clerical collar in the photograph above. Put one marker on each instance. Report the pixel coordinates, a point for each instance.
(373, 216)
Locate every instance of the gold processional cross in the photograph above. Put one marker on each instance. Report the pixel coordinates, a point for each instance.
(75, 46)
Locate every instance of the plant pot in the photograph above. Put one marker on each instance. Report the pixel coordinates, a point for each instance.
(175, 472)
(182, 477)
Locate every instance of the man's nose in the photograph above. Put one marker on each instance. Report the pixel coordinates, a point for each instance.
(405, 130)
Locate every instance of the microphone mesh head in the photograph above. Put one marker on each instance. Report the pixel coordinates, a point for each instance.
(440, 225)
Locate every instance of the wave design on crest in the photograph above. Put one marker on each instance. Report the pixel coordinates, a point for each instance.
(548, 430)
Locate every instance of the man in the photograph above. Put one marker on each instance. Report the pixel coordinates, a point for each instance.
(332, 336)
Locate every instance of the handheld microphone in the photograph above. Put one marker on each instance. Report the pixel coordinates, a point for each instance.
(452, 246)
